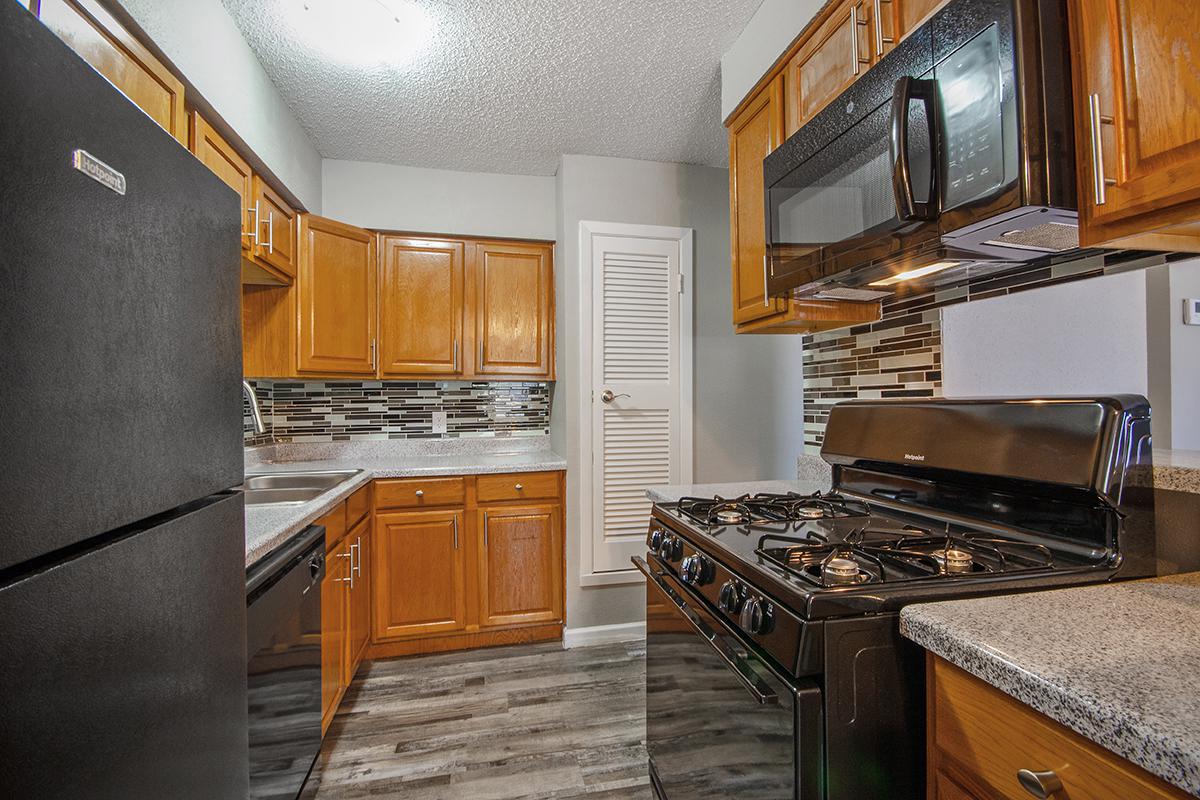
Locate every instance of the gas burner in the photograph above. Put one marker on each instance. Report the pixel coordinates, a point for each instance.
(728, 516)
(838, 571)
(810, 512)
(955, 561)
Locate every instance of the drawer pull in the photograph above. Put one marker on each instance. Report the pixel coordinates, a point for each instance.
(518, 487)
(420, 493)
(1042, 785)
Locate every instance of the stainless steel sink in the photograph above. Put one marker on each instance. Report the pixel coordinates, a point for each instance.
(292, 488)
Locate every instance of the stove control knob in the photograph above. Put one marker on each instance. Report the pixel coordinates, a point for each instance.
(758, 616)
(731, 597)
(671, 548)
(697, 570)
(654, 540)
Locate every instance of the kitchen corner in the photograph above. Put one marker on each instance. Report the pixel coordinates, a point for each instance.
(268, 526)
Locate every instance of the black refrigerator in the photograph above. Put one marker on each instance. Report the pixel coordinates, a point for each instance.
(122, 568)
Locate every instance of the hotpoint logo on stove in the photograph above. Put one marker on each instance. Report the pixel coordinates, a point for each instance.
(913, 457)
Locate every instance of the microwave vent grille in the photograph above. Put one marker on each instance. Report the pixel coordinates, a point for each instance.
(1049, 237)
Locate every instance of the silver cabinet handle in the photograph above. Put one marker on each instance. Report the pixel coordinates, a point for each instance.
(349, 555)
(608, 396)
(880, 40)
(1041, 785)
(855, 22)
(766, 296)
(456, 531)
(419, 492)
(518, 487)
(1100, 183)
(270, 232)
(456, 369)
(479, 363)
(253, 232)
(374, 355)
(356, 562)
(485, 529)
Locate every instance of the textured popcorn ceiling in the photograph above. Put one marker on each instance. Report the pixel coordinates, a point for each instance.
(510, 85)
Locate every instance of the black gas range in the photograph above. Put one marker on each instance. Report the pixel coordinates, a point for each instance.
(773, 617)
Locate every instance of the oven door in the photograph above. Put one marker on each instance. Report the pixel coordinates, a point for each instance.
(720, 722)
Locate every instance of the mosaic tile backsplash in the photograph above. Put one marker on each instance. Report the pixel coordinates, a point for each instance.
(327, 411)
(901, 354)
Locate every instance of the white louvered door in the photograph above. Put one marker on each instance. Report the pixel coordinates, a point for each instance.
(638, 435)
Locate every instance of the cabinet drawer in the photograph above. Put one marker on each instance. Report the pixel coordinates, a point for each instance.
(517, 486)
(357, 505)
(420, 492)
(335, 526)
(990, 737)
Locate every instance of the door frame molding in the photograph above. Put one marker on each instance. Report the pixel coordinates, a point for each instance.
(685, 237)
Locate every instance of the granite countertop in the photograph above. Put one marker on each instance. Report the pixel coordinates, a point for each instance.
(1118, 663)
(669, 494)
(267, 526)
(1177, 470)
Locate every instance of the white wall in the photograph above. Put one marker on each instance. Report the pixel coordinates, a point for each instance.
(748, 418)
(1183, 279)
(202, 41)
(1085, 337)
(391, 197)
(766, 36)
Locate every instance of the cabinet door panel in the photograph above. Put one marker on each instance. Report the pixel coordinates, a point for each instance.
(219, 156)
(521, 565)
(337, 298)
(1140, 95)
(418, 569)
(421, 304)
(275, 228)
(102, 42)
(756, 132)
(837, 54)
(514, 309)
(334, 618)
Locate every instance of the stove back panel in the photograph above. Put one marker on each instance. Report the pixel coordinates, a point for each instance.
(1039, 446)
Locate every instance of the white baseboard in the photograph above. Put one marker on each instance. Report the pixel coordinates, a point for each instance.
(603, 634)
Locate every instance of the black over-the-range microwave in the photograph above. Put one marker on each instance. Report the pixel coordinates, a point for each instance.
(951, 158)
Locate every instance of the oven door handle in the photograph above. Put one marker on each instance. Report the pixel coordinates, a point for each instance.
(906, 90)
(755, 685)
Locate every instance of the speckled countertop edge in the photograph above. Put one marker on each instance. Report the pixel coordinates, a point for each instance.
(1117, 663)
(267, 527)
(669, 494)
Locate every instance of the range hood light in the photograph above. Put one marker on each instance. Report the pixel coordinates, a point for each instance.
(913, 274)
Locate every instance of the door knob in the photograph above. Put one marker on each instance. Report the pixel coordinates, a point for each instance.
(608, 396)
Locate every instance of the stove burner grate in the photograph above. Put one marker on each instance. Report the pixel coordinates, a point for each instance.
(769, 508)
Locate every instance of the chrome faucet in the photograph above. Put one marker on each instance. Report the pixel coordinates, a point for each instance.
(255, 412)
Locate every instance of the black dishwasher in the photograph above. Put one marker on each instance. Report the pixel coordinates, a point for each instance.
(283, 637)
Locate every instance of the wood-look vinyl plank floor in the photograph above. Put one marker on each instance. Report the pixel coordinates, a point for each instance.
(530, 722)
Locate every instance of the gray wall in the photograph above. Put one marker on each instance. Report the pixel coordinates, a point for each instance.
(747, 408)
(202, 41)
(392, 197)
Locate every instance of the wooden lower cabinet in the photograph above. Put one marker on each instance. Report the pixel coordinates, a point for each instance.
(980, 738)
(520, 575)
(335, 617)
(472, 573)
(419, 578)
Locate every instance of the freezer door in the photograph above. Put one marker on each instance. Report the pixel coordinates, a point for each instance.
(120, 339)
(123, 671)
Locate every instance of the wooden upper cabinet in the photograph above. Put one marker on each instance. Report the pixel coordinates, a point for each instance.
(112, 50)
(1137, 118)
(520, 565)
(900, 17)
(418, 574)
(754, 133)
(514, 309)
(422, 302)
(839, 51)
(336, 298)
(219, 156)
(275, 245)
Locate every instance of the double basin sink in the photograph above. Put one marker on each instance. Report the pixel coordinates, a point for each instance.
(292, 488)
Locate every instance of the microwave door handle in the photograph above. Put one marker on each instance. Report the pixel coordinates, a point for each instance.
(906, 90)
